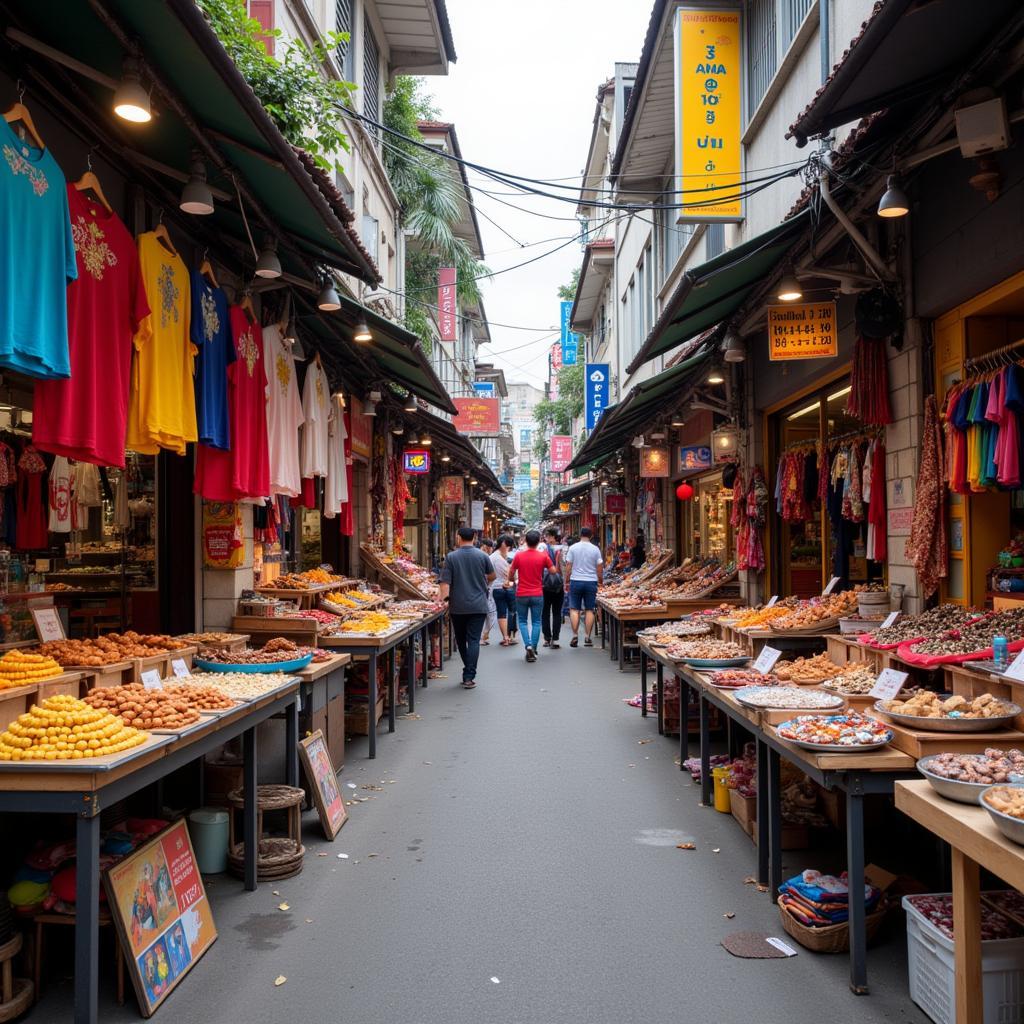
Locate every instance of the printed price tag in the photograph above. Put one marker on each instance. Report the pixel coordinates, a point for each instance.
(765, 661)
(151, 680)
(832, 584)
(1016, 667)
(781, 946)
(888, 684)
(48, 624)
(890, 619)
(772, 600)
(179, 668)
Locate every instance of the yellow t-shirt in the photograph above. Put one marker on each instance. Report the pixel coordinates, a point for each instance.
(162, 410)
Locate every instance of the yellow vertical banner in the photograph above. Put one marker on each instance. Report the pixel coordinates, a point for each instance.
(709, 106)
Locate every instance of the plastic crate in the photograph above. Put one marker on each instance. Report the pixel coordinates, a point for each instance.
(932, 974)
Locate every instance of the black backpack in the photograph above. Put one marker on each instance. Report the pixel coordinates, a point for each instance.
(553, 585)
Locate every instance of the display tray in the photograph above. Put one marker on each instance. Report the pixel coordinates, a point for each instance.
(201, 723)
(822, 626)
(342, 637)
(921, 724)
(831, 748)
(712, 662)
(990, 667)
(951, 789)
(267, 667)
(746, 700)
(91, 764)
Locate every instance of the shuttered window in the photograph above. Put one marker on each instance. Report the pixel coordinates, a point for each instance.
(714, 241)
(761, 50)
(343, 23)
(263, 12)
(371, 75)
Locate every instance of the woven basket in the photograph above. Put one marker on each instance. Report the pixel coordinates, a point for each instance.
(833, 938)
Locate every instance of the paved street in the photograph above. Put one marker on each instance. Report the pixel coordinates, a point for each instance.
(528, 836)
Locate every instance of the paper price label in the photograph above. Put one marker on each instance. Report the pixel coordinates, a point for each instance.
(782, 947)
(890, 619)
(48, 624)
(772, 600)
(765, 661)
(832, 584)
(151, 680)
(1016, 667)
(179, 668)
(888, 684)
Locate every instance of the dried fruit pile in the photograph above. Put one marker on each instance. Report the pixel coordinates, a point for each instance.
(20, 668)
(200, 696)
(704, 650)
(981, 769)
(736, 678)
(855, 680)
(926, 704)
(808, 670)
(110, 648)
(939, 910)
(146, 709)
(817, 611)
(977, 636)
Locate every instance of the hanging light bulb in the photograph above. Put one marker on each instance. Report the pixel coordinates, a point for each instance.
(328, 301)
(131, 101)
(196, 197)
(894, 201)
(362, 333)
(789, 288)
(411, 405)
(267, 264)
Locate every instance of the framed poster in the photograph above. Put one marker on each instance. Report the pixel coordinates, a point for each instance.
(47, 623)
(323, 782)
(161, 912)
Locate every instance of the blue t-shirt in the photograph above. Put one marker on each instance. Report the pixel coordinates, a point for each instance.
(211, 334)
(37, 260)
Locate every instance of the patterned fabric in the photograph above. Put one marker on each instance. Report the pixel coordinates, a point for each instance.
(927, 545)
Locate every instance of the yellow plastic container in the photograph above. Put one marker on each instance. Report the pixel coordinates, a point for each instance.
(721, 777)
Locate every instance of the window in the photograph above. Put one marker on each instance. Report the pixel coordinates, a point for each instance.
(673, 236)
(761, 50)
(714, 241)
(648, 296)
(371, 235)
(792, 17)
(343, 23)
(263, 12)
(371, 76)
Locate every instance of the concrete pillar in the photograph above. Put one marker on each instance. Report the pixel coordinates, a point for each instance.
(221, 588)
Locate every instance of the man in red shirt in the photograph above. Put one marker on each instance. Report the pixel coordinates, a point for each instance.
(528, 569)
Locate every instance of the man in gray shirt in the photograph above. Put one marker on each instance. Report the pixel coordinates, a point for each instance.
(465, 580)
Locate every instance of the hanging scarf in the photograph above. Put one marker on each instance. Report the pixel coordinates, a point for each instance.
(868, 400)
(876, 506)
(927, 546)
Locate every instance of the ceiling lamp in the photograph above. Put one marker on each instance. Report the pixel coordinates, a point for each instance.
(362, 333)
(677, 420)
(369, 407)
(894, 201)
(715, 375)
(734, 352)
(298, 352)
(789, 288)
(398, 429)
(446, 457)
(327, 301)
(290, 337)
(472, 480)
(638, 441)
(131, 101)
(411, 405)
(196, 196)
(267, 264)
(426, 441)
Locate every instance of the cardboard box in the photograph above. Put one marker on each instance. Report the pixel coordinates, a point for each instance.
(744, 810)
(356, 723)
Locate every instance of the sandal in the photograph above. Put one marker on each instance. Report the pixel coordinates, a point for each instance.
(574, 642)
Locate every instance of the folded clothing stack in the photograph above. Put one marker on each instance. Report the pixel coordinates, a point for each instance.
(818, 900)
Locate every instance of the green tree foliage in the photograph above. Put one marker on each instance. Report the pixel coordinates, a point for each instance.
(556, 414)
(531, 508)
(302, 101)
(429, 195)
(567, 292)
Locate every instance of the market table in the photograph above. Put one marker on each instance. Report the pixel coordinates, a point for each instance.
(86, 790)
(307, 597)
(612, 620)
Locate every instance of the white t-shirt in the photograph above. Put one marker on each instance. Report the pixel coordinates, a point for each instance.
(316, 410)
(284, 414)
(584, 558)
(336, 489)
(500, 563)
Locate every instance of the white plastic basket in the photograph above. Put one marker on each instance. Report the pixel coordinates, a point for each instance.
(932, 975)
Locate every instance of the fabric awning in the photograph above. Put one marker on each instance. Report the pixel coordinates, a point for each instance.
(646, 401)
(712, 292)
(199, 92)
(904, 51)
(566, 494)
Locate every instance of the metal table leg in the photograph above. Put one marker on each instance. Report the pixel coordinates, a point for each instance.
(410, 674)
(249, 808)
(371, 693)
(855, 872)
(661, 699)
(762, 813)
(604, 627)
(684, 721)
(291, 744)
(392, 686)
(774, 825)
(643, 682)
(706, 782)
(425, 635)
(621, 648)
(87, 920)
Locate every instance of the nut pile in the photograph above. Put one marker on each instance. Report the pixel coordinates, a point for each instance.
(736, 678)
(200, 696)
(274, 651)
(666, 633)
(856, 680)
(242, 686)
(1006, 799)
(789, 697)
(19, 668)
(209, 638)
(936, 620)
(977, 636)
(808, 670)
(109, 649)
(981, 769)
(63, 728)
(146, 709)
(926, 704)
(709, 650)
(816, 611)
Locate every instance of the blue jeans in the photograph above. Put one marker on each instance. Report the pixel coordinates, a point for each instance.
(532, 607)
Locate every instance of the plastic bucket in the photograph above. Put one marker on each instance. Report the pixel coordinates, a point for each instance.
(209, 831)
(721, 777)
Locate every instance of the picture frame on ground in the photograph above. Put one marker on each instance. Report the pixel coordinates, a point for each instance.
(323, 783)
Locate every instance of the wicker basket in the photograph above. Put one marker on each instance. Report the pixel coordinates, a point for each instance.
(832, 938)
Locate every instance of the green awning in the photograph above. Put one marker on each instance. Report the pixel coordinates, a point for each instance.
(712, 292)
(205, 92)
(465, 454)
(567, 494)
(645, 402)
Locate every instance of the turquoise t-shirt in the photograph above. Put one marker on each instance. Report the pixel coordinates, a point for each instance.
(37, 260)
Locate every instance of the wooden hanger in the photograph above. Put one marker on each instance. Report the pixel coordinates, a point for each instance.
(19, 112)
(162, 236)
(245, 305)
(206, 269)
(90, 181)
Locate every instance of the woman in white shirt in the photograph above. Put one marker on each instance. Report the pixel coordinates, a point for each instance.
(499, 598)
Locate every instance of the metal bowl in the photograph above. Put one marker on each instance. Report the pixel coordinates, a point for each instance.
(953, 789)
(712, 662)
(831, 748)
(1012, 828)
(951, 724)
(743, 696)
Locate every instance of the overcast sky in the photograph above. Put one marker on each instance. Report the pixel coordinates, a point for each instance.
(522, 97)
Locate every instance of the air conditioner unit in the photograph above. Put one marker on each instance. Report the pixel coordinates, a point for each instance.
(983, 127)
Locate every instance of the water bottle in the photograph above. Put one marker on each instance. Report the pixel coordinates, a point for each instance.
(1000, 655)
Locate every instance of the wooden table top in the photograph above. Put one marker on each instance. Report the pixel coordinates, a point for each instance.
(317, 669)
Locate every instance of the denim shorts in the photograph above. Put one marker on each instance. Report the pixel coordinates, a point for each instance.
(504, 601)
(582, 595)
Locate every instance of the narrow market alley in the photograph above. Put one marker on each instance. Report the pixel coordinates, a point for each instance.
(523, 832)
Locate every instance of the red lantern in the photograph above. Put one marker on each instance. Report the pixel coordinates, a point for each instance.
(684, 492)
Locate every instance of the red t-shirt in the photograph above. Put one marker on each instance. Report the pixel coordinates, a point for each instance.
(86, 416)
(530, 564)
(244, 471)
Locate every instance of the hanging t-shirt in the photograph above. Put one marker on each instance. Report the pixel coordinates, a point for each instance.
(30, 514)
(316, 409)
(60, 496)
(284, 413)
(86, 416)
(336, 489)
(162, 409)
(37, 260)
(211, 334)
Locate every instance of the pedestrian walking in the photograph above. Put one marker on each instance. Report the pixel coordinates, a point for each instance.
(491, 622)
(527, 573)
(585, 570)
(465, 581)
(501, 598)
(554, 591)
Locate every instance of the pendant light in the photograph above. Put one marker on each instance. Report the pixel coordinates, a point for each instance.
(369, 407)
(290, 337)
(715, 375)
(894, 201)
(398, 429)
(362, 333)
(196, 197)
(445, 457)
(411, 405)
(789, 288)
(268, 266)
(327, 301)
(131, 101)
(734, 352)
(426, 441)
